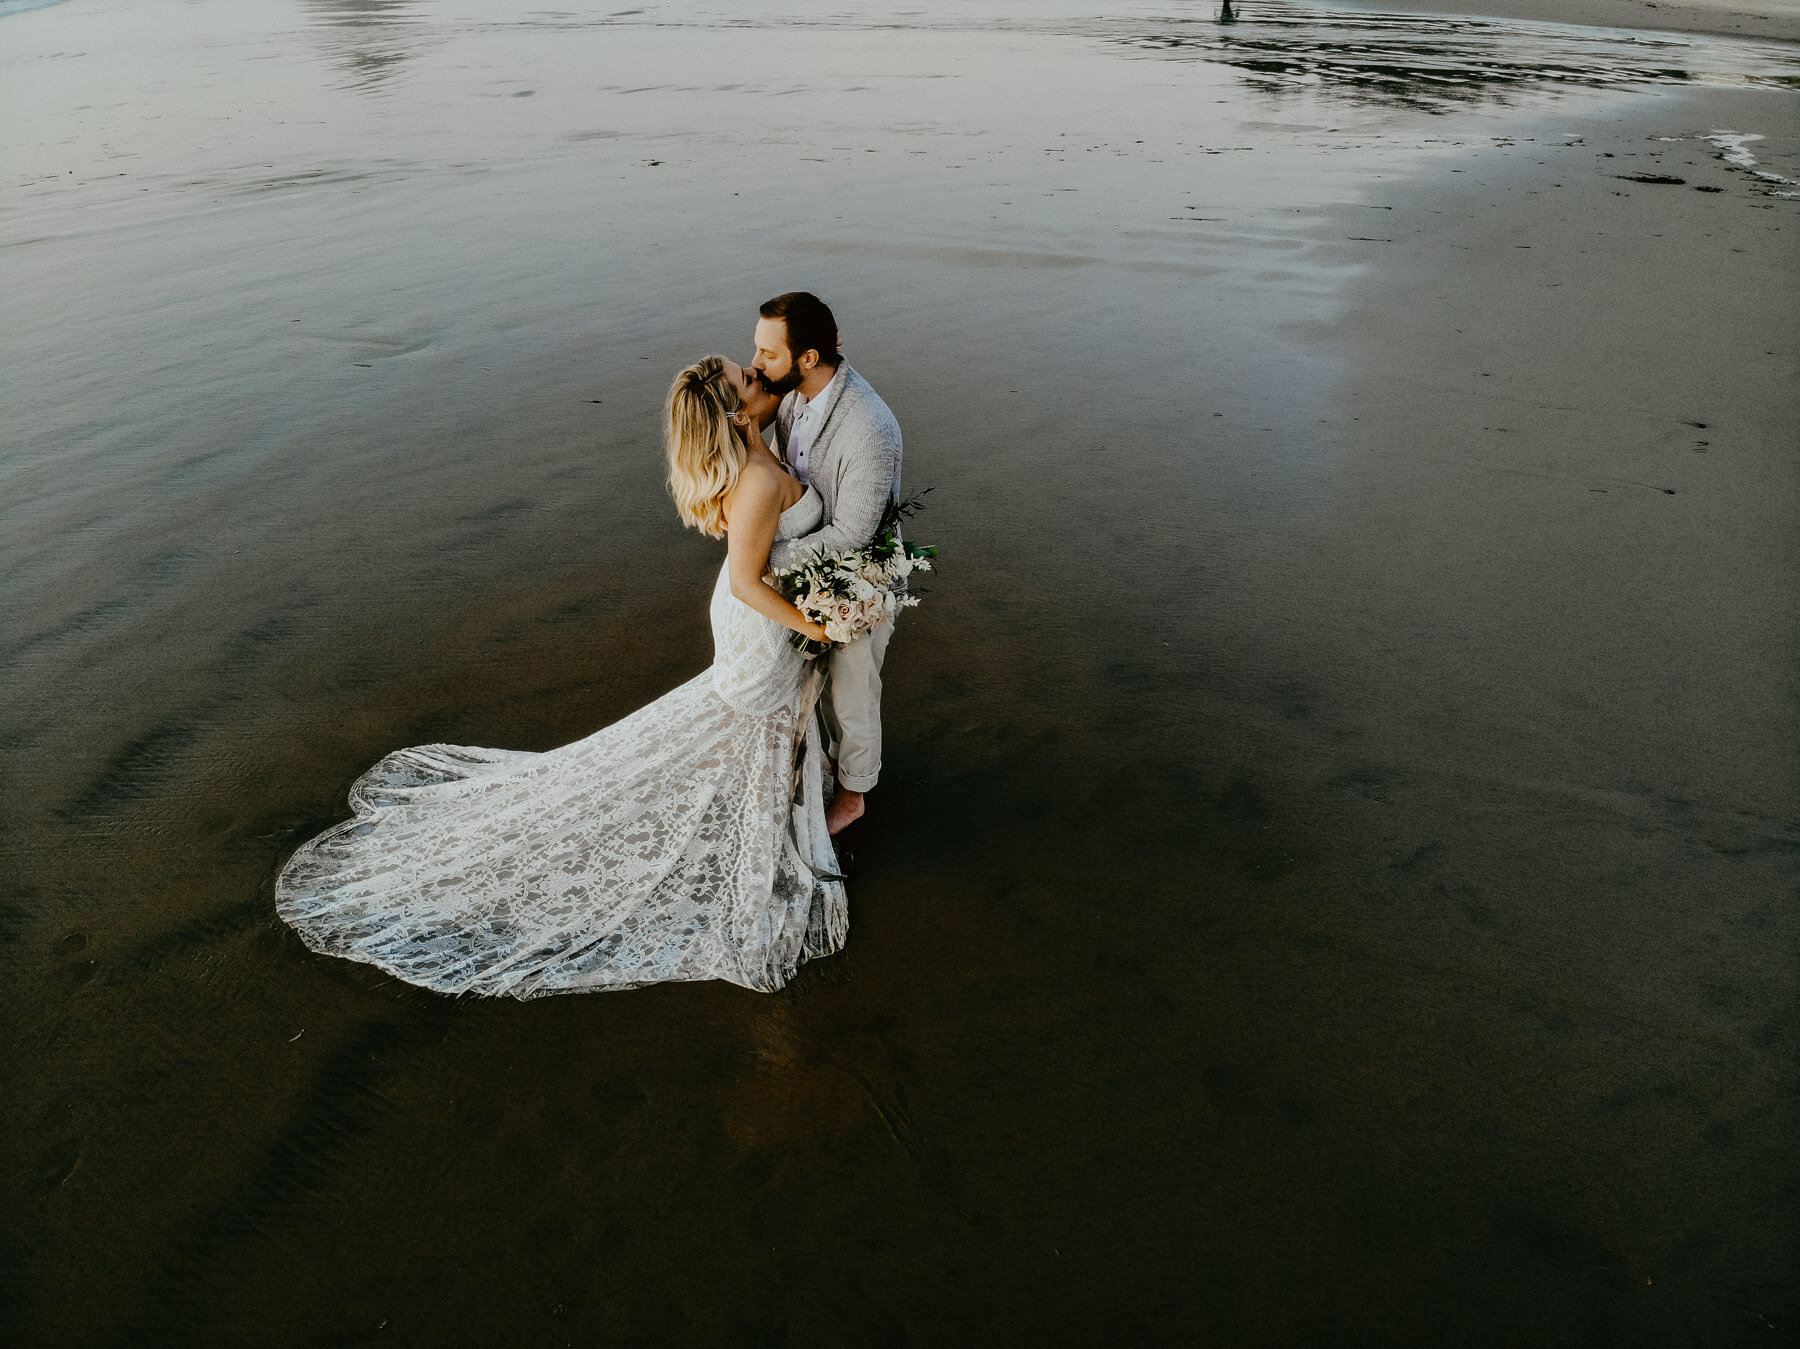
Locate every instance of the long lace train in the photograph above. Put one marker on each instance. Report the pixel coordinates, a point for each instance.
(686, 841)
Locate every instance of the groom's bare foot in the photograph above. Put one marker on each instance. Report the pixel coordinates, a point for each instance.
(846, 809)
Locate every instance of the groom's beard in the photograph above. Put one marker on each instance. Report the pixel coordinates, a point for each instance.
(783, 386)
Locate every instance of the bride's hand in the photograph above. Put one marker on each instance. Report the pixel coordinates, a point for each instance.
(816, 631)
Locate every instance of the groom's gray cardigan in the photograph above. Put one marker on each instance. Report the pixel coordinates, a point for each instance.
(854, 462)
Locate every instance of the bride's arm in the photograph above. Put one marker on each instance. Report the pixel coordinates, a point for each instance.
(752, 515)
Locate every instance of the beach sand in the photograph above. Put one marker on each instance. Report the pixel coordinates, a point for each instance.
(1778, 20)
(1332, 881)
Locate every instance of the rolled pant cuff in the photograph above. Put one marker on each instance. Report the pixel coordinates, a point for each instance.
(858, 784)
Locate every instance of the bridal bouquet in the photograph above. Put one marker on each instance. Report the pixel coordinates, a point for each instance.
(848, 593)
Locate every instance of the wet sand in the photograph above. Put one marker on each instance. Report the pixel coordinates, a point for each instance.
(1768, 19)
(1332, 882)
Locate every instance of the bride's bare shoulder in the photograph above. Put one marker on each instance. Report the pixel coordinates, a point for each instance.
(760, 489)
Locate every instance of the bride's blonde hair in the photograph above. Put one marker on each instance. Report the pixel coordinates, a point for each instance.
(705, 453)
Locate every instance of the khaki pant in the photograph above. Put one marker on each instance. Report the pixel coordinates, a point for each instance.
(852, 708)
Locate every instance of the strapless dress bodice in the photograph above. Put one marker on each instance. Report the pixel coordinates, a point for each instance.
(755, 666)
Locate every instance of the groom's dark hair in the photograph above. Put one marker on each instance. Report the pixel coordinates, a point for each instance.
(810, 324)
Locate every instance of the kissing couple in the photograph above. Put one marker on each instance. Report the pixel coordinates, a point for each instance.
(694, 838)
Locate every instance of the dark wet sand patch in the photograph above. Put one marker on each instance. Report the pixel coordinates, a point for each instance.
(1333, 876)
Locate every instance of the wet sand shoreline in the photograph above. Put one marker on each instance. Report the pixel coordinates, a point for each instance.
(1779, 22)
(1602, 586)
(1333, 876)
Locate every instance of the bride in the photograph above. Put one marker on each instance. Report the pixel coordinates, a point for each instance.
(680, 843)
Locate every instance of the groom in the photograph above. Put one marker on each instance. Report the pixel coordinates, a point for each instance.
(835, 433)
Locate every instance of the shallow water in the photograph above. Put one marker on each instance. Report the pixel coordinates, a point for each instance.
(338, 334)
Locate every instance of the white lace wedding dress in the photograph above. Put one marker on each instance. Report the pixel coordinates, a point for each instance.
(687, 841)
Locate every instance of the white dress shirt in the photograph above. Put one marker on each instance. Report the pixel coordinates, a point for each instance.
(805, 427)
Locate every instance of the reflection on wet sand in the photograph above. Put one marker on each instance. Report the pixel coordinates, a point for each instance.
(368, 38)
(1431, 62)
(1427, 62)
